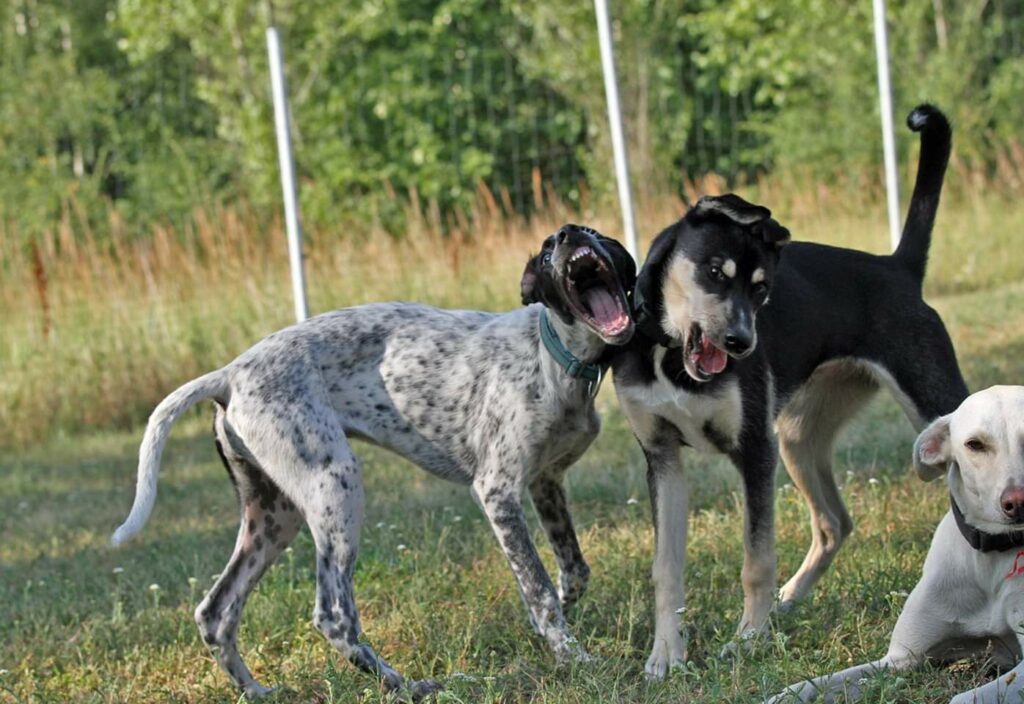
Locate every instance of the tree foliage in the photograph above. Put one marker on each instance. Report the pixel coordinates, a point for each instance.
(160, 106)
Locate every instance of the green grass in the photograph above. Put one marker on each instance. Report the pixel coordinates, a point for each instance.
(80, 623)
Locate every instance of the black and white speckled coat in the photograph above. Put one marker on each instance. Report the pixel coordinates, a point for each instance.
(469, 396)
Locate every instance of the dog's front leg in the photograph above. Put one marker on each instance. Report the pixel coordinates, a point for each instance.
(669, 506)
(548, 494)
(501, 500)
(756, 462)
(848, 682)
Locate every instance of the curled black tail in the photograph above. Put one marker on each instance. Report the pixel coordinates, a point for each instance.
(936, 138)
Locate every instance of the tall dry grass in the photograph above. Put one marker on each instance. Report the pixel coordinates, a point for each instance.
(94, 332)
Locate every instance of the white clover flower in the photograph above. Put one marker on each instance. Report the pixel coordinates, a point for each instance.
(631, 501)
(118, 570)
(154, 587)
(401, 547)
(873, 481)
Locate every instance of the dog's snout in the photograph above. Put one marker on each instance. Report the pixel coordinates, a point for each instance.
(738, 342)
(1012, 503)
(565, 232)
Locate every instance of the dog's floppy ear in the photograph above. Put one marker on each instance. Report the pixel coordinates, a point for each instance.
(755, 217)
(771, 232)
(932, 450)
(648, 280)
(625, 267)
(528, 283)
(733, 207)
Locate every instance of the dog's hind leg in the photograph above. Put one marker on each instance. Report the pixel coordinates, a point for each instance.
(927, 384)
(269, 521)
(807, 429)
(305, 451)
(548, 494)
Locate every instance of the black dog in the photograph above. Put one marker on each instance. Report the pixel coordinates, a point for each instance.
(736, 330)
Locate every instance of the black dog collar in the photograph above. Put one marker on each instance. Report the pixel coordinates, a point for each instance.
(591, 372)
(982, 541)
(647, 322)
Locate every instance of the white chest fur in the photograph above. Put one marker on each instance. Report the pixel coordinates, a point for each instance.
(706, 421)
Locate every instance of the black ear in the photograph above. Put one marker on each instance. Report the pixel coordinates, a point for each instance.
(528, 283)
(733, 207)
(771, 232)
(625, 267)
(755, 217)
(647, 282)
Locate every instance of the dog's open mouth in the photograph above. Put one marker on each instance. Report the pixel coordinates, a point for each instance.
(702, 358)
(593, 292)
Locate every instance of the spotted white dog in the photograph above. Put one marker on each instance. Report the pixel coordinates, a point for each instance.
(971, 594)
(500, 402)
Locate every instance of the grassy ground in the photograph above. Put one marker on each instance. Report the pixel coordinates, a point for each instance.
(82, 622)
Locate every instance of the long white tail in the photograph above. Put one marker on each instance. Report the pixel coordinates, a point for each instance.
(169, 410)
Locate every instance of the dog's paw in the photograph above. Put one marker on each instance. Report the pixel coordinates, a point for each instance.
(742, 644)
(256, 691)
(795, 694)
(786, 606)
(664, 658)
(573, 653)
(582, 657)
(424, 690)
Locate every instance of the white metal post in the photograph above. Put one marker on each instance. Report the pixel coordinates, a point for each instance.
(892, 188)
(611, 91)
(279, 86)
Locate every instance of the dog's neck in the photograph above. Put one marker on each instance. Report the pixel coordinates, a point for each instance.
(978, 539)
(584, 349)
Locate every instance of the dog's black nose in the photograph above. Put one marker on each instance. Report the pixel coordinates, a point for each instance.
(737, 343)
(1012, 503)
(565, 232)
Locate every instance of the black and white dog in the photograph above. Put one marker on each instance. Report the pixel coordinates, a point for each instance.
(500, 402)
(737, 331)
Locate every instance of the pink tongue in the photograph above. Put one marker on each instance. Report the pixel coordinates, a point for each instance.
(603, 306)
(710, 358)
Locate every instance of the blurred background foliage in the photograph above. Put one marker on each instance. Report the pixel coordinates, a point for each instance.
(143, 111)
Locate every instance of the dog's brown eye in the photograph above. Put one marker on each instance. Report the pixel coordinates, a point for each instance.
(546, 258)
(975, 445)
(760, 290)
(716, 272)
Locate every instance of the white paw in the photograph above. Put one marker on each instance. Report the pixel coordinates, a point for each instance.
(793, 694)
(572, 652)
(256, 691)
(582, 657)
(664, 658)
